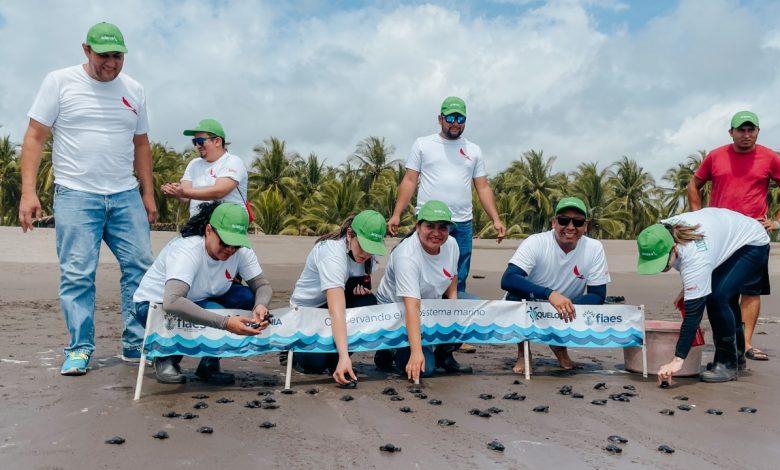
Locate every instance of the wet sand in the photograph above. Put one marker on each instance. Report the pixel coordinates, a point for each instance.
(50, 422)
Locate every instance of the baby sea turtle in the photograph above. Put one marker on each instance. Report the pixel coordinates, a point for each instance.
(288, 391)
(680, 397)
(116, 440)
(253, 404)
(415, 389)
(268, 400)
(200, 396)
(389, 391)
(747, 409)
(405, 409)
(269, 406)
(665, 384)
(486, 396)
(494, 410)
(434, 401)
(514, 396)
(224, 400)
(517, 382)
(480, 413)
(347, 398)
(629, 387)
(352, 384)
(619, 397)
(565, 390)
(714, 411)
(313, 391)
(396, 398)
(445, 422)
(171, 414)
(599, 402)
(667, 412)
(495, 445)
(665, 449)
(684, 407)
(577, 395)
(189, 416)
(613, 449)
(389, 448)
(600, 386)
(542, 409)
(160, 435)
(265, 393)
(200, 405)
(205, 430)
(421, 396)
(615, 439)
(267, 425)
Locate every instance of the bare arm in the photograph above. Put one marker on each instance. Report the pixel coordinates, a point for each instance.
(485, 195)
(32, 153)
(405, 191)
(221, 188)
(143, 169)
(338, 325)
(416, 363)
(694, 193)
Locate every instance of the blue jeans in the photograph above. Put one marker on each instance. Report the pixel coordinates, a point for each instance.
(83, 220)
(463, 233)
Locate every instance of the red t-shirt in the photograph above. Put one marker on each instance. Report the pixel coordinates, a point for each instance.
(740, 181)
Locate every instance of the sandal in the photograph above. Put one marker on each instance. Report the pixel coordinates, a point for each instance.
(756, 354)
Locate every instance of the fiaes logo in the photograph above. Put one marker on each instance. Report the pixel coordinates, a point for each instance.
(536, 314)
(593, 318)
(170, 321)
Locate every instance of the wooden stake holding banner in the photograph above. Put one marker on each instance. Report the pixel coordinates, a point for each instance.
(142, 366)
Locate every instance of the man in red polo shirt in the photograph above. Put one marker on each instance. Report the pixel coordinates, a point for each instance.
(740, 174)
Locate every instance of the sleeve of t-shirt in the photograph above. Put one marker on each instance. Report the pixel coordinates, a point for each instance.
(526, 254)
(407, 278)
(704, 172)
(142, 124)
(414, 162)
(333, 269)
(233, 168)
(46, 106)
(248, 266)
(479, 163)
(187, 176)
(598, 274)
(182, 264)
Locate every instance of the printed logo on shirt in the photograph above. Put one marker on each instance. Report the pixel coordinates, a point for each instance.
(692, 288)
(577, 274)
(447, 273)
(228, 276)
(211, 173)
(464, 155)
(701, 245)
(232, 170)
(129, 106)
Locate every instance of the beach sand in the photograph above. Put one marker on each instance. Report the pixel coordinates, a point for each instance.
(52, 422)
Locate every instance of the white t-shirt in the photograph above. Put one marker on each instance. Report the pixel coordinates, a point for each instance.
(568, 273)
(93, 123)
(203, 174)
(186, 260)
(725, 232)
(447, 169)
(412, 272)
(328, 266)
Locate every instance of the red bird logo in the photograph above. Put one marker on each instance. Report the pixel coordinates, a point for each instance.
(577, 272)
(228, 276)
(446, 273)
(127, 103)
(464, 155)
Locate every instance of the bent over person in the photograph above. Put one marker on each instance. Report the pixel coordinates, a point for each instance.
(562, 266)
(98, 117)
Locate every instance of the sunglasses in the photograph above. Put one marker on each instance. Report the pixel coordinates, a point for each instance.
(452, 118)
(198, 141)
(437, 225)
(564, 221)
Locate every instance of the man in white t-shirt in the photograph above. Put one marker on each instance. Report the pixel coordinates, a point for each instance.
(559, 266)
(445, 164)
(99, 122)
(216, 176)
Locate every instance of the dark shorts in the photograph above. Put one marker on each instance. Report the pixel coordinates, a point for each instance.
(759, 286)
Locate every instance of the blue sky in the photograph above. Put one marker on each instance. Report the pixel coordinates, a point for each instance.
(582, 80)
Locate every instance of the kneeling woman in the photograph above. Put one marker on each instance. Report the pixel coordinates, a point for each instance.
(195, 272)
(337, 276)
(423, 266)
(717, 252)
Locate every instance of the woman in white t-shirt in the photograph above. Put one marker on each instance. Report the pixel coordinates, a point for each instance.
(195, 272)
(216, 176)
(423, 266)
(337, 276)
(717, 252)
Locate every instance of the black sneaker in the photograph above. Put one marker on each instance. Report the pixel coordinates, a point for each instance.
(168, 371)
(209, 371)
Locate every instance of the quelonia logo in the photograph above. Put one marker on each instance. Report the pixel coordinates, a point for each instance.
(536, 314)
(592, 318)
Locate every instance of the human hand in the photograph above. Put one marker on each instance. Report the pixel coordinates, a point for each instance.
(29, 210)
(562, 305)
(667, 370)
(770, 224)
(151, 207)
(499, 226)
(361, 290)
(415, 366)
(392, 225)
(241, 326)
(261, 316)
(344, 373)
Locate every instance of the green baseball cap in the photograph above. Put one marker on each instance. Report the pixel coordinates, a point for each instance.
(370, 228)
(452, 105)
(571, 203)
(105, 37)
(231, 222)
(212, 126)
(742, 117)
(654, 243)
(435, 211)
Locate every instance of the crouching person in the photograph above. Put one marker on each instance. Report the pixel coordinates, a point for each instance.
(561, 266)
(195, 272)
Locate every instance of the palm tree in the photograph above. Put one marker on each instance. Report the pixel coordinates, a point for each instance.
(606, 217)
(337, 200)
(373, 157)
(538, 186)
(269, 211)
(272, 167)
(635, 190)
(10, 177)
(168, 167)
(676, 198)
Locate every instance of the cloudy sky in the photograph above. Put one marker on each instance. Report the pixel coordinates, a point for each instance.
(584, 80)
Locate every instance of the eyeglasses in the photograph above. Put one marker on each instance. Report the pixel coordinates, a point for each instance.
(437, 225)
(564, 221)
(452, 118)
(198, 141)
